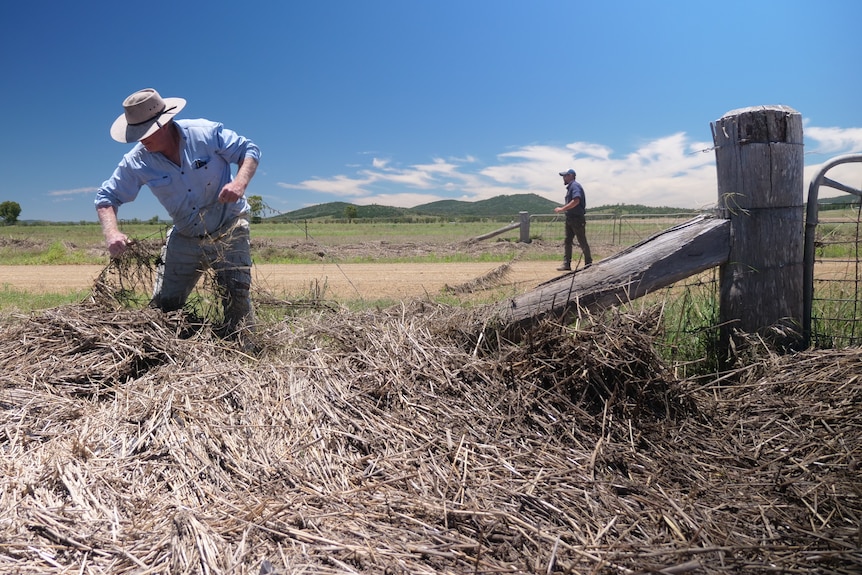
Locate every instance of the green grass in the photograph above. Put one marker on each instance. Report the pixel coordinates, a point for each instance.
(326, 233)
(837, 315)
(13, 300)
(837, 233)
(362, 231)
(56, 253)
(84, 243)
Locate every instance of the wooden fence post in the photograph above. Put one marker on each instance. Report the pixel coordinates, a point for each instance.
(759, 159)
(524, 218)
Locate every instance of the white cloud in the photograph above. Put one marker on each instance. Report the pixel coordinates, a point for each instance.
(376, 181)
(834, 140)
(337, 185)
(73, 192)
(670, 171)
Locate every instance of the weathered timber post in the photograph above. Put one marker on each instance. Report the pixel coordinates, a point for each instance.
(524, 218)
(759, 159)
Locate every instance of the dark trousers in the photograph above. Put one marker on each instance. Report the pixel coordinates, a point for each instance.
(576, 227)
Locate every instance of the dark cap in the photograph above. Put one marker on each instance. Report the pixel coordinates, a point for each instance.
(567, 172)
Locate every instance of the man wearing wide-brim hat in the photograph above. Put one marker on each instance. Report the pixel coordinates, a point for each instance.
(187, 166)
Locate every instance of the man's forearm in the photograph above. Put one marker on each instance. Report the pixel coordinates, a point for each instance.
(114, 238)
(571, 205)
(108, 219)
(245, 172)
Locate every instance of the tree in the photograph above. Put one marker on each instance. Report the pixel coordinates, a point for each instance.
(350, 212)
(255, 204)
(9, 212)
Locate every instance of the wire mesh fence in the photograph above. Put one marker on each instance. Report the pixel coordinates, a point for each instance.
(607, 229)
(836, 314)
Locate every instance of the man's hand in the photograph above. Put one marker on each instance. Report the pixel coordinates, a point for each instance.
(231, 192)
(235, 189)
(117, 243)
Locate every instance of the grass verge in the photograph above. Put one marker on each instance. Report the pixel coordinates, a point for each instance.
(13, 300)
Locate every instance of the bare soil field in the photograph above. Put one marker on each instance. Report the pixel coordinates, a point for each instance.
(373, 280)
(365, 281)
(353, 281)
(394, 281)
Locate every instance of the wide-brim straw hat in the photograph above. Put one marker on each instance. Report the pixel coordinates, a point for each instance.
(145, 112)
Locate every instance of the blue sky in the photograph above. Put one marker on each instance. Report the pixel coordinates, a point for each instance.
(402, 102)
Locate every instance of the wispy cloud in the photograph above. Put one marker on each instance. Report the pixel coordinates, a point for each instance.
(826, 143)
(834, 140)
(72, 192)
(670, 171)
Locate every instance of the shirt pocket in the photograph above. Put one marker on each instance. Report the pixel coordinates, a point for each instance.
(200, 162)
(160, 183)
(162, 188)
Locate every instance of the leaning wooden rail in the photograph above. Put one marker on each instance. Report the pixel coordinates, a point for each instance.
(495, 233)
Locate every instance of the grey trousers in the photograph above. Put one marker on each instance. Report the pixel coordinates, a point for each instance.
(184, 259)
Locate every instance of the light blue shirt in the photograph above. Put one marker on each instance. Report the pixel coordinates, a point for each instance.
(188, 192)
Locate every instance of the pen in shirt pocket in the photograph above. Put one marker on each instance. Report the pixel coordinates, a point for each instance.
(199, 164)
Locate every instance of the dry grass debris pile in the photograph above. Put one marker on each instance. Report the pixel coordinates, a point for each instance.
(397, 441)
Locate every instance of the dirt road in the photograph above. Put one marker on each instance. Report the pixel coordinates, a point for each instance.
(349, 281)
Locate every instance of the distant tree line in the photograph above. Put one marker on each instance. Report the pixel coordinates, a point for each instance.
(342, 212)
(839, 203)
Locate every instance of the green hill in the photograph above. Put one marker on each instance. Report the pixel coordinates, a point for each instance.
(496, 207)
(492, 207)
(338, 210)
(838, 202)
(629, 209)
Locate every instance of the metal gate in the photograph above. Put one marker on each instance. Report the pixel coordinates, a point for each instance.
(837, 319)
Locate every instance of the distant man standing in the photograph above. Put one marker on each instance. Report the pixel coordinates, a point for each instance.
(187, 166)
(576, 223)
